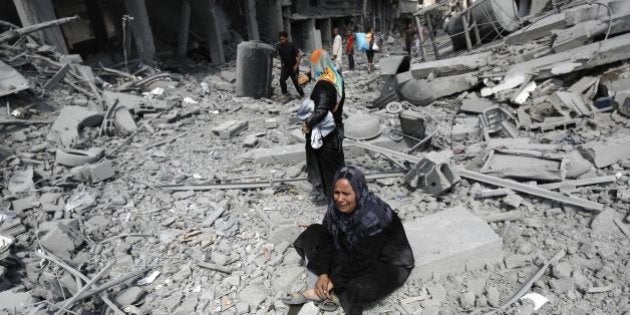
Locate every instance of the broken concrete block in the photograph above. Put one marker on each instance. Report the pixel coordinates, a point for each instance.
(18, 302)
(289, 154)
(451, 241)
(271, 123)
(475, 105)
(22, 204)
(136, 104)
(574, 165)
(538, 29)
(517, 261)
(433, 174)
(71, 158)
(606, 153)
(93, 173)
(577, 35)
(608, 51)
(21, 182)
(450, 66)
(513, 200)
(604, 223)
(394, 65)
(129, 296)
(570, 104)
(124, 121)
(230, 128)
(61, 237)
(622, 102)
(11, 81)
(412, 124)
(250, 141)
(65, 130)
(254, 294)
(422, 92)
(521, 166)
(285, 278)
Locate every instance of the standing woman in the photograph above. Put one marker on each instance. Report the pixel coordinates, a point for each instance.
(328, 95)
(359, 253)
(370, 52)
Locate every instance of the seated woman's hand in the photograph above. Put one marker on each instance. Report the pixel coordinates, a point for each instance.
(323, 286)
(305, 129)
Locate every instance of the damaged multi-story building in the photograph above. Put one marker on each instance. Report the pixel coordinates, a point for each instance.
(150, 30)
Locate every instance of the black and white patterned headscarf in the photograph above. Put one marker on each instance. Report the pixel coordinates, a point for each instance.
(370, 217)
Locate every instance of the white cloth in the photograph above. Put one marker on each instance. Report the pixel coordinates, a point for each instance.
(337, 50)
(320, 130)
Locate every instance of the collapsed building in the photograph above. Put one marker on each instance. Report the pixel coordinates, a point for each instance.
(138, 177)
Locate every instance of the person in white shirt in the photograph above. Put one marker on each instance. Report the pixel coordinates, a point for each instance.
(337, 51)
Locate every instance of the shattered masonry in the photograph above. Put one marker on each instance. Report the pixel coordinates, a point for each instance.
(150, 166)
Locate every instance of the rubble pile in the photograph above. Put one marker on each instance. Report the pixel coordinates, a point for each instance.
(156, 193)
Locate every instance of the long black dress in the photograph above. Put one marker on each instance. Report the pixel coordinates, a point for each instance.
(373, 268)
(322, 163)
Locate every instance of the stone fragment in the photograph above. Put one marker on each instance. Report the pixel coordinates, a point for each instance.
(253, 294)
(71, 157)
(517, 261)
(125, 124)
(21, 182)
(129, 296)
(560, 286)
(467, 300)
(452, 241)
(493, 296)
(71, 119)
(285, 278)
(15, 302)
(26, 203)
(604, 223)
(229, 128)
(562, 270)
(421, 92)
(433, 173)
(93, 173)
(513, 200)
(476, 285)
(61, 237)
(475, 105)
(250, 141)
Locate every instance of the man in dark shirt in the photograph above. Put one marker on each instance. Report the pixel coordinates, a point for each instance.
(290, 60)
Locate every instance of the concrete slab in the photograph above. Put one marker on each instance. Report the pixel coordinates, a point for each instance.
(65, 130)
(230, 128)
(11, 81)
(93, 173)
(450, 66)
(451, 241)
(15, 302)
(577, 35)
(606, 153)
(538, 29)
(422, 92)
(585, 57)
(125, 124)
(475, 105)
(394, 65)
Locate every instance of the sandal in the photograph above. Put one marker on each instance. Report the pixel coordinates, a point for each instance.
(329, 305)
(294, 298)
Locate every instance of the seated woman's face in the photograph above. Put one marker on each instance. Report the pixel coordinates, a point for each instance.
(344, 196)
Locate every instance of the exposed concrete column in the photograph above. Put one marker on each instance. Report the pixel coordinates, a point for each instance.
(421, 35)
(215, 39)
(327, 32)
(141, 30)
(38, 11)
(184, 28)
(252, 23)
(287, 25)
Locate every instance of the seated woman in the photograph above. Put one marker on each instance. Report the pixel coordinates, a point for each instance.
(359, 253)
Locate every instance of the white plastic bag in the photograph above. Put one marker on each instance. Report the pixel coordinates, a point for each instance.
(375, 47)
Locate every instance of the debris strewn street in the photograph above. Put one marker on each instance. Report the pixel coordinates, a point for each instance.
(164, 172)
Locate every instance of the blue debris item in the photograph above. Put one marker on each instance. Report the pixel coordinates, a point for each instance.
(362, 42)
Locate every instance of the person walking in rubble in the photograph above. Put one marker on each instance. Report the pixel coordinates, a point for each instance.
(369, 36)
(328, 96)
(290, 58)
(360, 252)
(350, 50)
(337, 51)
